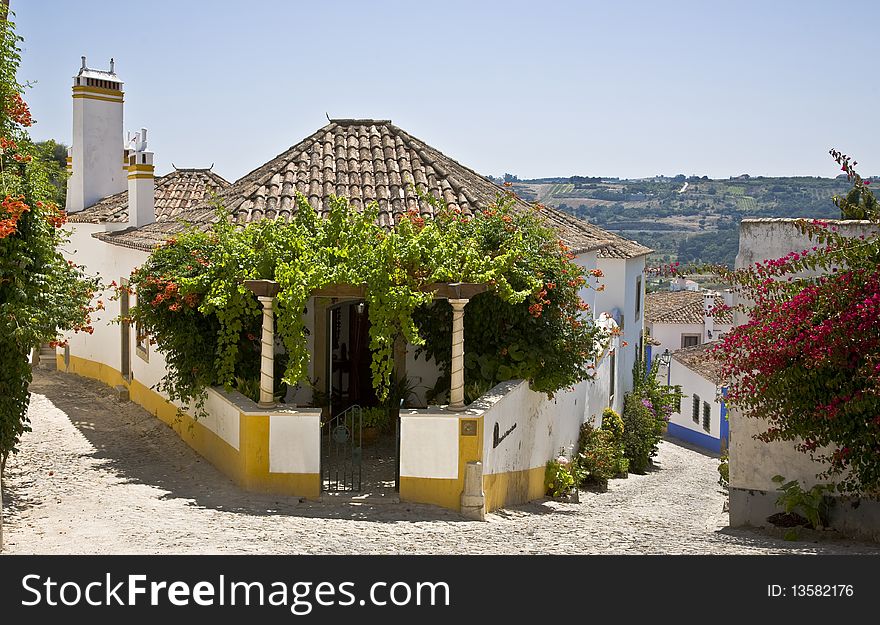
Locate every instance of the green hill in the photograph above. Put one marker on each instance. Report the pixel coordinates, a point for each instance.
(697, 221)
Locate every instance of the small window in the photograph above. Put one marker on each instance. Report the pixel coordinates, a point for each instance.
(638, 296)
(690, 340)
(696, 411)
(707, 416)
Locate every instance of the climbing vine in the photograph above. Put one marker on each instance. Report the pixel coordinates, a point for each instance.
(40, 292)
(192, 300)
(808, 359)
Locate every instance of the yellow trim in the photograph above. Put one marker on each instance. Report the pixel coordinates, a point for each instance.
(434, 491)
(69, 159)
(136, 176)
(97, 90)
(513, 488)
(83, 96)
(141, 167)
(248, 466)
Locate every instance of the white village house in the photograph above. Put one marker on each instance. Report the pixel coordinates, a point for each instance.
(701, 416)
(677, 319)
(119, 212)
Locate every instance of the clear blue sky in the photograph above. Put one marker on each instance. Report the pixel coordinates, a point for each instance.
(625, 89)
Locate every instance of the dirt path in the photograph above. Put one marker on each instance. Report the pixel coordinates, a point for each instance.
(97, 476)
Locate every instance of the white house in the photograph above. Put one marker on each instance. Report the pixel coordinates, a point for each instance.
(446, 457)
(676, 319)
(701, 415)
(622, 263)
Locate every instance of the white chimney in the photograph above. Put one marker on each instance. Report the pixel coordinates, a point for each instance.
(141, 182)
(708, 320)
(95, 159)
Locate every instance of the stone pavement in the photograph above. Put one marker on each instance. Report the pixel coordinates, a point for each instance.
(101, 477)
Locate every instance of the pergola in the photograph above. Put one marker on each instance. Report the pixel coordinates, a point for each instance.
(458, 294)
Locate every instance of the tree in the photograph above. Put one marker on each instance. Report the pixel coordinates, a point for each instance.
(40, 292)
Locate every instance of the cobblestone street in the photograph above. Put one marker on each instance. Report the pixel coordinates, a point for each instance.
(97, 476)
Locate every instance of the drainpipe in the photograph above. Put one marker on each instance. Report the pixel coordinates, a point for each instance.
(456, 387)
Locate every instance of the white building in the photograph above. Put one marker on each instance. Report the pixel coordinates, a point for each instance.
(622, 264)
(677, 319)
(115, 227)
(701, 416)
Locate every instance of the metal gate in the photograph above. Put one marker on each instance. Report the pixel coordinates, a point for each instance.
(342, 451)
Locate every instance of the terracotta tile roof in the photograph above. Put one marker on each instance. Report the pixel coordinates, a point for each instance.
(623, 248)
(680, 307)
(700, 360)
(364, 160)
(175, 192)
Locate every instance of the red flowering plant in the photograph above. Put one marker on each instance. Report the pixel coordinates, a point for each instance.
(807, 361)
(41, 293)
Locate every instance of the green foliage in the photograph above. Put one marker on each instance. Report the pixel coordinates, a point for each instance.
(724, 472)
(41, 294)
(807, 361)
(599, 455)
(646, 411)
(642, 433)
(192, 300)
(375, 417)
(558, 477)
(812, 504)
(613, 423)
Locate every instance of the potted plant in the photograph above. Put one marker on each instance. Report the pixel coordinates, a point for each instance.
(373, 420)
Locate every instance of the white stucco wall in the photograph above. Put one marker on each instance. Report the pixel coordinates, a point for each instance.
(429, 445)
(97, 151)
(294, 443)
(753, 463)
(620, 294)
(543, 426)
(422, 371)
(693, 383)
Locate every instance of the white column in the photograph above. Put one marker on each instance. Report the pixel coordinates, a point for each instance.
(267, 354)
(456, 387)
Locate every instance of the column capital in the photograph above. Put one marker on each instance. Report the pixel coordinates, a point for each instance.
(266, 301)
(458, 304)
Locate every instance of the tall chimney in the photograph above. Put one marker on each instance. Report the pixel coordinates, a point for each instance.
(96, 160)
(708, 320)
(141, 182)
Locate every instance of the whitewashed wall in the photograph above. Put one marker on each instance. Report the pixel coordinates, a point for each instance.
(753, 463)
(543, 426)
(422, 371)
(429, 444)
(669, 334)
(693, 383)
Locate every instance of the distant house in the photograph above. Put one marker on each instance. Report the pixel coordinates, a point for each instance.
(683, 284)
(701, 417)
(677, 319)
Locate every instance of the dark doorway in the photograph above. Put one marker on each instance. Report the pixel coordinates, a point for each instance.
(355, 459)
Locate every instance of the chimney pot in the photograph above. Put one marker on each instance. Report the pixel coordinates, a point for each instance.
(83, 62)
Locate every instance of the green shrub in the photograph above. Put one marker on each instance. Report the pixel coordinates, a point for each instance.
(598, 455)
(724, 472)
(641, 434)
(558, 477)
(611, 422)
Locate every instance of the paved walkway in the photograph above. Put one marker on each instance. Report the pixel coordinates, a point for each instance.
(97, 476)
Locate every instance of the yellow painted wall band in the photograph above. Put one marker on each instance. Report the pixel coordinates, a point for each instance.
(86, 96)
(248, 466)
(141, 168)
(140, 176)
(96, 90)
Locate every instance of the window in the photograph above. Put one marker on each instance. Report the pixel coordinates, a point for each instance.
(638, 295)
(696, 412)
(690, 340)
(707, 416)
